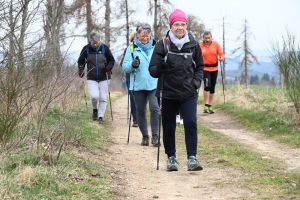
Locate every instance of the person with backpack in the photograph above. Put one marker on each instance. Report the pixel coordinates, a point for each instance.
(132, 103)
(99, 61)
(177, 62)
(211, 52)
(142, 85)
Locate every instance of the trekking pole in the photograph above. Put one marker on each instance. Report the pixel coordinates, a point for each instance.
(160, 113)
(134, 75)
(111, 114)
(128, 114)
(128, 100)
(160, 108)
(129, 123)
(84, 87)
(222, 79)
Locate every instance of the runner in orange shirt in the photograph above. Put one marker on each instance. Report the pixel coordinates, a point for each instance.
(211, 52)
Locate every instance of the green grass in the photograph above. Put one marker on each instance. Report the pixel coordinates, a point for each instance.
(77, 175)
(74, 179)
(266, 178)
(263, 109)
(273, 125)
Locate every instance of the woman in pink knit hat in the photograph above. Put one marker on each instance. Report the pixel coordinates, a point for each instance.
(180, 74)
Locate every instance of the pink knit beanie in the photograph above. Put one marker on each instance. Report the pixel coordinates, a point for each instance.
(177, 15)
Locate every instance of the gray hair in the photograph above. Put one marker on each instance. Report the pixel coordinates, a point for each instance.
(143, 27)
(207, 33)
(95, 36)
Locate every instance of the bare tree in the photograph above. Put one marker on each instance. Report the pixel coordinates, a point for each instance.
(107, 23)
(14, 105)
(196, 27)
(161, 16)
(224, 63)
(248, 58)
(82, 12)
(28, 89)
(53, 21)
(127, 22)
(128, 12)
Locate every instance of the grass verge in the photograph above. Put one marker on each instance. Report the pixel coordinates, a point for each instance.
(243, 168)
(278, 127)
(77, 175)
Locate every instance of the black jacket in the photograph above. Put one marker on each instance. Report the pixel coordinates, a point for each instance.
(182, 79)
(96, 62)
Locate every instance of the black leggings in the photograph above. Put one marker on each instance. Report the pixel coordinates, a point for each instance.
(210, 80)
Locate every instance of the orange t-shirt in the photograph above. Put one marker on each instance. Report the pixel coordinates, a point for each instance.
(210, 55)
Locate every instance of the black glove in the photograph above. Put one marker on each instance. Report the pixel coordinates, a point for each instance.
(196, 83)
(162, 66)
(136, 62)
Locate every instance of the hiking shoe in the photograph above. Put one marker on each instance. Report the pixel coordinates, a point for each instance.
(95, 114)
(193, 164)
(100, 120)
(206, 110)
(135, 124)
(155, 141)
(145, 141)
(210, 110)
(172, 164)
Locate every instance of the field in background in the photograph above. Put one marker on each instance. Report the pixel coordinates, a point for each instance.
(260, 108)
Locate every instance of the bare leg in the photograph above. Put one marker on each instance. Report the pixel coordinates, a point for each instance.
(206, 96)
(211, 98)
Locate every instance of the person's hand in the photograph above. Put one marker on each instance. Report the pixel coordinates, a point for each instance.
(221, 59)
(162, 66)
(136, 62)
(107, 69)
(81, 73)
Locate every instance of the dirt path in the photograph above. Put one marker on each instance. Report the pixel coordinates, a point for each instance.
(223, 123)
(134, 166)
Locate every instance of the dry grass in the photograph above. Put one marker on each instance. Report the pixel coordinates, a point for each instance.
(27, 177)
(260, 98)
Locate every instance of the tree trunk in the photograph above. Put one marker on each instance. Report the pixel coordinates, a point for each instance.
(11, 51)
(53, 30)
(22, 33)
(246, 59)
(127, 23)
(155, 26)
(107, 23)
(89, 23)
(224, 68)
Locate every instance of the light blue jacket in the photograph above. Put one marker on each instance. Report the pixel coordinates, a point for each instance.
(140, 78)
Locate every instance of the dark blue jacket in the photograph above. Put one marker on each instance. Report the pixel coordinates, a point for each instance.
(96, 61)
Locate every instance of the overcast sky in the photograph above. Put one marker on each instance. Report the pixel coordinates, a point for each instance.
(267, 19)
